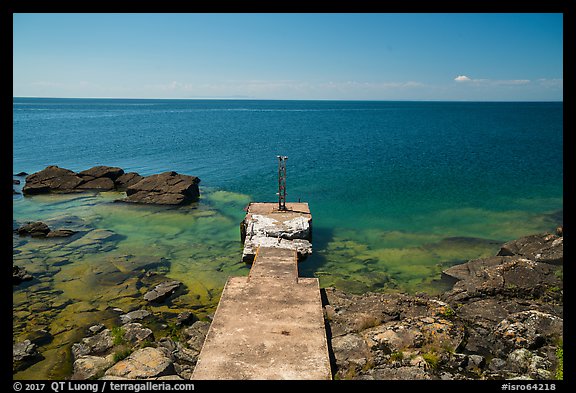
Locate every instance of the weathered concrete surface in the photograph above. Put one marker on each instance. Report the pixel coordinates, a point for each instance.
(266, 226)
(269, 325)
(266, 328)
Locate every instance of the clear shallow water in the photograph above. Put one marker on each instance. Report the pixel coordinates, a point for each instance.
(398, 191)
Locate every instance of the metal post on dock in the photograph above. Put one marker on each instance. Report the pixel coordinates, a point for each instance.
(282, 182)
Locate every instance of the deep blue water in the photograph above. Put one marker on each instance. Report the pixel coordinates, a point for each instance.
(356, 163)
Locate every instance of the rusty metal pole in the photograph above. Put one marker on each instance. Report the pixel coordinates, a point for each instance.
(282, 182)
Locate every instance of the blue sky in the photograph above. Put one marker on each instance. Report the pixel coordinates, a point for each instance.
(485, 57)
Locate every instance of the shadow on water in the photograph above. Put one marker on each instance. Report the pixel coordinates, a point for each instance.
(315, 262)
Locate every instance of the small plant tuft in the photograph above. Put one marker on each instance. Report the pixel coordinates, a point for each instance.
(560, 368)
(122, 354)
(118, 335)
(397, 356)
(432, 359)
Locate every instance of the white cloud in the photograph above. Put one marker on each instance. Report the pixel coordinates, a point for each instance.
(491, 82)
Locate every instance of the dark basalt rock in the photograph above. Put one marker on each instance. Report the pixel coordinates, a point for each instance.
(34, 229)
(168, 188)
(545, 247)
(126, 180)
(101, 171)
(51, 179)
(502, 319)
(101, 184)
(19, 274)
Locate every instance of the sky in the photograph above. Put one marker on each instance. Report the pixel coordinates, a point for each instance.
(463, 57)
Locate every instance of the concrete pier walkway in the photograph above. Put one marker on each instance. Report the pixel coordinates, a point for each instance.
(268, 325)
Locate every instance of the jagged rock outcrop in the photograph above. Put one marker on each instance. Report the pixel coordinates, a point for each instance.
(168, 188)
(501, 320)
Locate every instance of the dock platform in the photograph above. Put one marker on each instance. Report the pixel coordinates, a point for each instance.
(270, 324)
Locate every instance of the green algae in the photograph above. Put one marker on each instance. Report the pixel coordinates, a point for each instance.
(81, 279)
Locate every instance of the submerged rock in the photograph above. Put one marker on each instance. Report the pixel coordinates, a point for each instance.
(132, 263)
(34, 229)
(61, 233)
(162, 291)
(19, 274)
(24, 354)
(134, 316)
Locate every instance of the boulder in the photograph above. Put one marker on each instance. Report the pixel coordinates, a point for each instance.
(24, 354)
(101, 172)
(34, 229)
(19, 274)
(515, 277)
(144, 363)
(186, 317)
(196, 334)
(90, 367)
(547, 248)
(52, 179)
(134, 333)
(529, 329)
(162, 291)
(15, 181)
(134, 316)
(100, 184)
(126, 180)
(97, 344)
(168, 188)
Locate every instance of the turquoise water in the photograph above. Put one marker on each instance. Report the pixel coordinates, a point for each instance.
(398, 191)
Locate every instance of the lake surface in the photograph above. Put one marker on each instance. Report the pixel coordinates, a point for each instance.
(398, 192)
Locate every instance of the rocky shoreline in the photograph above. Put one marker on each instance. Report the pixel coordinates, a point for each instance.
(503, 319)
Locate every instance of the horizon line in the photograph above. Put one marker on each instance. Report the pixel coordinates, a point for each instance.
(241, 98)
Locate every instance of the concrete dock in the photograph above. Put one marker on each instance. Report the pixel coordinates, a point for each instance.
(269, 325)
